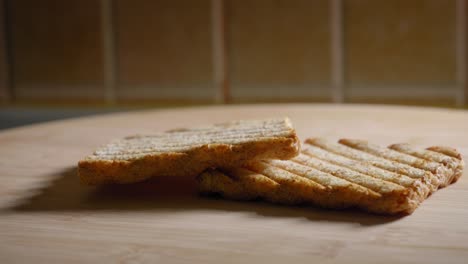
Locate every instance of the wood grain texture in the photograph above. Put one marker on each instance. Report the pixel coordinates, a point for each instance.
(278, 49)
(164, 48)
(400, 42)
(54, 44)
(46, 216)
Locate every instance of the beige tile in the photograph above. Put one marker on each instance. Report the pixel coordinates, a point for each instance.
(164, 49)
(466, 53)
(56, 44)
(398, 42)
(278, 49)
(4, 71)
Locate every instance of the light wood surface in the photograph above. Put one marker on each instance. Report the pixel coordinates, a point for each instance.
(46, 216)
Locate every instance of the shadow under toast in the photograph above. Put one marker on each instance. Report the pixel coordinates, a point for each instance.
(65, 193)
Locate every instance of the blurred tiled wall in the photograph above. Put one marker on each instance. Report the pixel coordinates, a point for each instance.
(56, 48)
(277, 50)
(164, 49)
(400, 48)
(4, 73)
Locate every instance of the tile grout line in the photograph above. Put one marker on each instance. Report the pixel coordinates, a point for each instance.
(219, 55)
(337, 51)
(460, 29)
(108, 45)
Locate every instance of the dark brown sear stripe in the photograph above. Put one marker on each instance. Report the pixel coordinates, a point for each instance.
(390, 154)
(447, 151)
(377, 185)
(284, 177)
(426, 154)
(367, 158)
(325, 179)
(358, 166)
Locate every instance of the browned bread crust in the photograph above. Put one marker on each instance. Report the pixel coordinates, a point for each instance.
(350, 173)
(188, 152)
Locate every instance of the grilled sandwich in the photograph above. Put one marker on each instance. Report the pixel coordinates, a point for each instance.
(188, 152)
(350, 173)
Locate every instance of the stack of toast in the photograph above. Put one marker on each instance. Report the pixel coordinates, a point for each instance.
(263, 159)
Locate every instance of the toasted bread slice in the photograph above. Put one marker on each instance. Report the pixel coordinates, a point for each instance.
(188, 152)
(351, 173)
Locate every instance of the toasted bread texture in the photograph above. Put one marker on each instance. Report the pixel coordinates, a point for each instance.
(350, 173)
(188, 152)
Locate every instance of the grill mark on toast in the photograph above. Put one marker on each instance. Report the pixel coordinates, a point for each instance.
(451, 152)
(390, 154)
(377, 185)
(213, 132)
(139, 145)
(380, 162)
(327, 180)
(438, 170)
(454, 164)
(373, 160)
(338, 193)
(417, 188)
(358, 166)
(180, 141)
(189, 152)
(293, 188)
(428, 155)
(124, 152)
(282, 176)
(235, 186)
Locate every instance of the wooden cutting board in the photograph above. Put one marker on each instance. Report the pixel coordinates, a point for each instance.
(46, 216)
